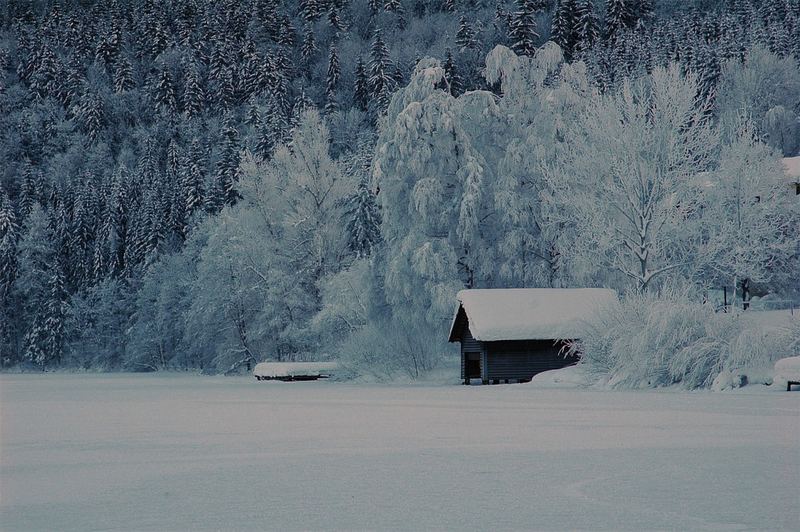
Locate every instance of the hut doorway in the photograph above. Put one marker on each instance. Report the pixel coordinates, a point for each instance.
(472, 366)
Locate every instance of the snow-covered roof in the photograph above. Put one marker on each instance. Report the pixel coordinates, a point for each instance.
(529, 313)
(792, 166)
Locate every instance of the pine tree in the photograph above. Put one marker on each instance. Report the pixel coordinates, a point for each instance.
(587, 28)
(619, 17)
(29, 191)
(192, 179)
(310, 10)
(709, 71)
(227, 174)
(119, 222)
(89, 113)
(35, 256)
(332, 80)
(523, 28)
(361, 86)
(465, 38)
(309, 45)
(9, 235)
(335, 20)
(286, 34)
(193, 93)
(381, 81)
(451, 74)
(164, 90)
(54, 317)
(396, 7)
(123, 75)
(249, 76)
(363, 221)
(392, 6)
(563, 27)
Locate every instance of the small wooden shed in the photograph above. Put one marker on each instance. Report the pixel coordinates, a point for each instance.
(511, 334)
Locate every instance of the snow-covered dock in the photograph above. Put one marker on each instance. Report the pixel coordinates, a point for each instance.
(294, 371)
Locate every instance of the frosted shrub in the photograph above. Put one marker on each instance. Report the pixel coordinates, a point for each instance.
(387, 349)
(661, 339)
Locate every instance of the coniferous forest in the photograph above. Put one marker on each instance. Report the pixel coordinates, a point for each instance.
(191, 184)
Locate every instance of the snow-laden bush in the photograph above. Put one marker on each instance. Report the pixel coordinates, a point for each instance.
(386, 349)
(666, 338)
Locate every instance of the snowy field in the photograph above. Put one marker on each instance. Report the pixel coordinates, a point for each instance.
(169, 452)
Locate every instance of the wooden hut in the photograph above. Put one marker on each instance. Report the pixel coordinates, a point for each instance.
(513, 334)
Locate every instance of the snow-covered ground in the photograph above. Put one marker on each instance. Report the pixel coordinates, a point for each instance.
(166, 452)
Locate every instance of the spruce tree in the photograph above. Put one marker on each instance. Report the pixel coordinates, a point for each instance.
(465, 38)
(563, 27)
(29, 191)
(332, 79)
(252, 115)
(119, 222)
(361, 86)
(619, 17)
(587, 28)
(374, 6)
(309, 45)
(522, 29)
(381, 73)
(335, 20)
(227, 174)
(35, 256)
(9, 235)
(89, 113)
(193, 93)
(310, 10)
(451, 74)
(363, 221)
(123, 75)
(286, 34)
(55, 315)
(192, 178)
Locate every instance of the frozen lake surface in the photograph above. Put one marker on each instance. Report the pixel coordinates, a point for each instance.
(167, 452)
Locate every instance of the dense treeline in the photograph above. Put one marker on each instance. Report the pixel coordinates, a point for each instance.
(195, 184)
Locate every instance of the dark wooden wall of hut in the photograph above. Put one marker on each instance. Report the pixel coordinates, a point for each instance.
(468, 345)
(522, 359)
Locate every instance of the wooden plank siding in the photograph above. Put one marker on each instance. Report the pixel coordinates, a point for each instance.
(508, 360)
(469, 345)
(522, 359)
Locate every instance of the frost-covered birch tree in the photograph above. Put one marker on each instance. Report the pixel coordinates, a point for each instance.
(750, 221)
(434, 177)
(625, 176)
(258, 279)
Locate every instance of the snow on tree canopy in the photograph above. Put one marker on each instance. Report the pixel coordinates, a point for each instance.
(531, 313)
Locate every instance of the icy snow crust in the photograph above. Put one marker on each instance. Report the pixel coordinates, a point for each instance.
(168, 452)
(532, 313)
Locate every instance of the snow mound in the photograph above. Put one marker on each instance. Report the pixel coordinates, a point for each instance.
(786, 370)
(569, 377)
(771, 319)
(532, 313)
(276, 370)
(792, 166)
